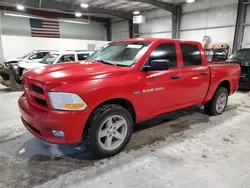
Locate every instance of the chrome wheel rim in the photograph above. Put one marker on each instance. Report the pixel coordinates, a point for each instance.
(112, 132)
(221, 102)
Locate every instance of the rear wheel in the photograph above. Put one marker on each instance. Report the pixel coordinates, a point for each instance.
(109, 130)
(218, 103)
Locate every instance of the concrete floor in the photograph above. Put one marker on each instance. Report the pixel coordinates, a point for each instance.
(183, 149)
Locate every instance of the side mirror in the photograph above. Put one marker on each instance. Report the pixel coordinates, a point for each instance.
(157, 64)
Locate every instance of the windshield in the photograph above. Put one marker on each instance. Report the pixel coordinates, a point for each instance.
(241, 54)
(49, 59)
(26, 55)
(120, 53)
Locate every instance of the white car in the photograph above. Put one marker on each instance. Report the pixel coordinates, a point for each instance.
(53, 58)
(36, 55)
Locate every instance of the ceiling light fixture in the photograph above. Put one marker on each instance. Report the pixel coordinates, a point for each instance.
(78, 14)
(19, 15)
(61, 20)
(136, 12)
(76, 22)
(190, 1)
(20, 7)
(84, 5)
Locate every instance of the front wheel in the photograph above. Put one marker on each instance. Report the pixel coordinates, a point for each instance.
(218, 103)
(109, 130)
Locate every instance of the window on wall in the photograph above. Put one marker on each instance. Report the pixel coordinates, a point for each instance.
(165, 51)
(191, 55)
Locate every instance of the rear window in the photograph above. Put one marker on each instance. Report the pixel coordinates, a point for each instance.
(191, 55)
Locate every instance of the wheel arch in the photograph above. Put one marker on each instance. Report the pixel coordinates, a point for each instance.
(125, 103)
(226, 84)
(212, 90)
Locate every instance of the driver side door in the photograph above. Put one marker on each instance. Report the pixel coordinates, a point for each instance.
(161, 90)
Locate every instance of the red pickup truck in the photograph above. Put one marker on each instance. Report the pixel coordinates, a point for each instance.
(101, 99)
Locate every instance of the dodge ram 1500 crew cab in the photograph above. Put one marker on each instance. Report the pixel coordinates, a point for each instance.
(101, 99)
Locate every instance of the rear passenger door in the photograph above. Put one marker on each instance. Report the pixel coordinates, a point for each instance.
(195, 74)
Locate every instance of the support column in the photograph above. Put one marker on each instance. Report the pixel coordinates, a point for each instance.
(239, 27)
(130, 28)
(176, 21)
(133, 29)
(1, 44)
(108, 30)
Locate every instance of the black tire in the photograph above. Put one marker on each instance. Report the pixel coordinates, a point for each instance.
(210, 108)
(4, 75)
(94, 124)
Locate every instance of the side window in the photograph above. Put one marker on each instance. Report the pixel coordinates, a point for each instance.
(82, 56)
(191, 55)
(165, 51)
(67, 58)
(45, 53)
(38, 55)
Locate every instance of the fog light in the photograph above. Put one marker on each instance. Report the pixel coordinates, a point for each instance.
(58, 133)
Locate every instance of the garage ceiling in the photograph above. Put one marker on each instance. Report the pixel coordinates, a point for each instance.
(122, 5)
(97, 8)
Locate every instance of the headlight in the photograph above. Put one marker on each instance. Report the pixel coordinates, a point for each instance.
(66, 101)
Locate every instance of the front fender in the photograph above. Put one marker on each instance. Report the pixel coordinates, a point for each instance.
(95, 92)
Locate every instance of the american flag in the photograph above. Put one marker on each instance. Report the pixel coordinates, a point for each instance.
(44, 28)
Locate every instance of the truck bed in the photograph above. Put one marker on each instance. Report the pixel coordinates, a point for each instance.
(221, 71)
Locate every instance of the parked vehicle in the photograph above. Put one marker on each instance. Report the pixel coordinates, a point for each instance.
(53, 58)
(242, 57)
(101, 99)
(36, 55)
(9, 68)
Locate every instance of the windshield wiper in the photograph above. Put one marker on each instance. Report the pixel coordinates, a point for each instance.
(105, 62)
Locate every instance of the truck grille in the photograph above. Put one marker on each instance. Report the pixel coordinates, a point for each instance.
(35, 94)
(37, 89)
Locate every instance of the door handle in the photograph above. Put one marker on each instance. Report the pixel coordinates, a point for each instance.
(204, 73)
(175, 77)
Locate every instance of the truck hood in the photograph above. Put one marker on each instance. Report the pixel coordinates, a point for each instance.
(65, 73)
(30, 65)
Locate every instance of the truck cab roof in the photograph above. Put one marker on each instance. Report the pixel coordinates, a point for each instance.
(155, 40)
